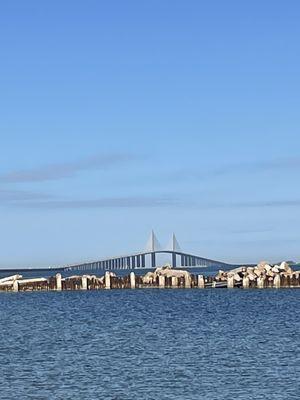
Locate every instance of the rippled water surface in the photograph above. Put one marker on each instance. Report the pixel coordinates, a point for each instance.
(150, 344)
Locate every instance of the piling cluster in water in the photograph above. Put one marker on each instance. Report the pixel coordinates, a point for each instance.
(261, 276)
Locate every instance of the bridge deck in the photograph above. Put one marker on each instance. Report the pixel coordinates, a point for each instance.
(139, 260)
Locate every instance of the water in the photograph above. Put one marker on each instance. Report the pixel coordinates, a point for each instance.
(150, 344)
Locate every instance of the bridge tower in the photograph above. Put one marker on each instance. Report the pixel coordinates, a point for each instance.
(152, 246)
(174, 247)
(152, 243)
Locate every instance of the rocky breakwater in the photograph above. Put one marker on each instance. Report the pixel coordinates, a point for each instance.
(263, 275)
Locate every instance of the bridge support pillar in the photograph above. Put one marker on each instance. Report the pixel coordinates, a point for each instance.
(143, 261)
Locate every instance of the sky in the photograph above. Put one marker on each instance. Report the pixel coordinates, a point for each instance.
(118, 117)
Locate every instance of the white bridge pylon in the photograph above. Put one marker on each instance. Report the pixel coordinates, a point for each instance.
(173, 244)
(154, 245)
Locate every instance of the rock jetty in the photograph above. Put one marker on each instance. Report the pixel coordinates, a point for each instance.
(263, 275)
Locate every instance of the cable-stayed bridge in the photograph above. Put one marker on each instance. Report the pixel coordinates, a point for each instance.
(149, 258)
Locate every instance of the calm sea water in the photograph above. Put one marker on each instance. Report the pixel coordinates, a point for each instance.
(150, 344)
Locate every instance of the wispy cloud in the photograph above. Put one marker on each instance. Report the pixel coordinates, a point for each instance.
(111, 202)
(244, 167)
(43, 201)
(19, 196)
(261, 204)
(66, 170)
(246, 204)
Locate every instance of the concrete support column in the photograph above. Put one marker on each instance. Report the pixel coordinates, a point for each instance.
(58, 281)
(132, 280)
(260, 282)
(277, 281)
(187, 281)
(230, 282)
(107, 280)
(161, 281)
(246, 282)
(84, 282)
(174, 281)
(15, 285)
(201, 282)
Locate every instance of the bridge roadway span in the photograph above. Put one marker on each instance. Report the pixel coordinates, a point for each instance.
(139, 260)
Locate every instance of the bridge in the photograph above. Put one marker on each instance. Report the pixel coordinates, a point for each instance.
(149, 258)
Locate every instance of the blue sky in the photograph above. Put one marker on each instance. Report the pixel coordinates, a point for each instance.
(118, 117)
